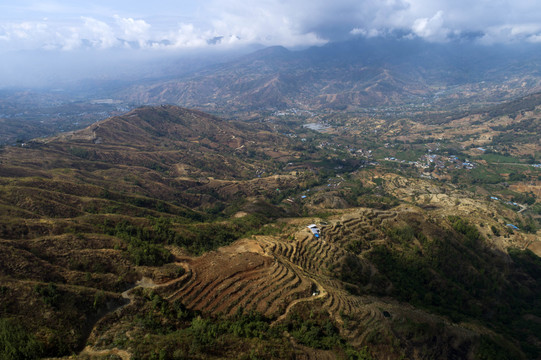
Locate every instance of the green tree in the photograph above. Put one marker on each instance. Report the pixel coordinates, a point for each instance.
(16, 343)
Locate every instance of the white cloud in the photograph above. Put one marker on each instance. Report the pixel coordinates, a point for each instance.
(268, 23)
(67, 43)
(134, 30)
(431, 28)
(25, 35)
(358, 31)
(98, 33)
(368, 33)
(219, 23)
(187, 36)
(512, 32)
(534, 38)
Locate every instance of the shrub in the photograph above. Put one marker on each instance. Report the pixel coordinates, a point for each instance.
(49, 294)
(16, 343)
(145, 253)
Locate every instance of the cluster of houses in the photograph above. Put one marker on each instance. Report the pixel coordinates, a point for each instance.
(294, 111)
(438, 161)
(443, 162)
(364, 153)
(317, 126)
(512, 203)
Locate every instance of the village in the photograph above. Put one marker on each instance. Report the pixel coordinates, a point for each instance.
(432, 161)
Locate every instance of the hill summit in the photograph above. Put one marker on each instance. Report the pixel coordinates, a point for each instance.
(152, 125)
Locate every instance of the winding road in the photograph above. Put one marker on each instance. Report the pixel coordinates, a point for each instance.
(322, 294)
(144, 283)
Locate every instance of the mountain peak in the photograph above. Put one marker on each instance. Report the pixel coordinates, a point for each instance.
(273, 50)
(272, 53)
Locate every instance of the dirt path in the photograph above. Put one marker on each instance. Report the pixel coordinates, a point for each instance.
(89, 351)
(322, 293)
(145, 283)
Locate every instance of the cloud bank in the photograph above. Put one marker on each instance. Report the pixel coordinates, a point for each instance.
(41, 41)
(63, 25)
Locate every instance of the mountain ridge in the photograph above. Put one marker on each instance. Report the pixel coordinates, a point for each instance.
(352, 75)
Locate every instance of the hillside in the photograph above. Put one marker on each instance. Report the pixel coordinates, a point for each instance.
(170, 233)
(373, 73)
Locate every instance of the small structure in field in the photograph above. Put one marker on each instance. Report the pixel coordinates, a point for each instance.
(314, 229)
(514, 227)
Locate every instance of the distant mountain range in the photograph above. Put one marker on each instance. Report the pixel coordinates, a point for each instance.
(379, 77)
(353, 75)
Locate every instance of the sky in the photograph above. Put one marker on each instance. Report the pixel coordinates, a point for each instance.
(95, 28)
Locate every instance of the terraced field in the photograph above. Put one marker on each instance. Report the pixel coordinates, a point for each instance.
(268, 273)
(294, 273)
(272, 275)
(244, 275)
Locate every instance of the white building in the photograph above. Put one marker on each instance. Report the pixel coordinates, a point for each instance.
(314, 229)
